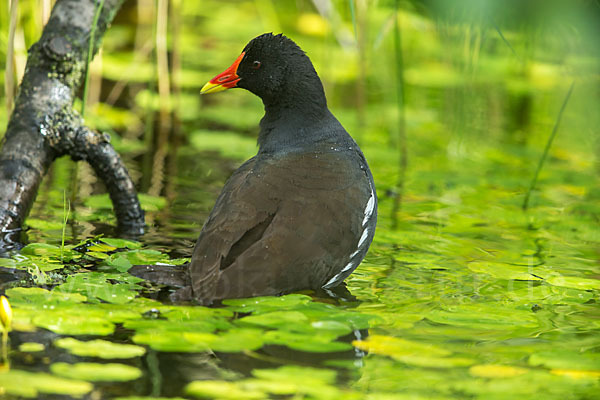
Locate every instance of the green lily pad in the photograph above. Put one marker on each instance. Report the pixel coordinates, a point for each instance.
(266, 303)
(313, 343)
(235, 340)
(95, 285)
(97, 254)
(287, 380)
(31, 263)
(95, 372)
(483, 316)
(62, 323)
(336, 328)
(195, 313)
(566, 359)
(31, 347)
(166, 326)
(319, 312)
(146, 257)
(222, 390)
(31, 384)
(290, 379)
(122, 243)
(310, 318)
(100, 247)
(505, 271)
(574, 282)
(119, 261)
(398, 348)
(41, 249)
(548, 294)
(147, 398)
(277, 319)
(187, 339)
(38, 297)
(99, 348)
(496, 371)
(165, 335)
(435, 362)
(169, 342)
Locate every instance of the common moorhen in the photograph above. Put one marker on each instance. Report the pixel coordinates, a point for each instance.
(301, 214)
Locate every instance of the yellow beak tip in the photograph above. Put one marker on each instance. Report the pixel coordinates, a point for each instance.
(212, 88)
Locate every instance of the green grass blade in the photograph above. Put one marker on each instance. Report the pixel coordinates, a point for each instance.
(353, 14)
(66, 213)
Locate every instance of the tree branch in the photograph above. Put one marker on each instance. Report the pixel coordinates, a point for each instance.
(43, 125)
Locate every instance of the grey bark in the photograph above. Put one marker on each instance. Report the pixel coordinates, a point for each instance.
(44, 126)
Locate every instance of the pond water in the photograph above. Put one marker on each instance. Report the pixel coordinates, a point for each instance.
(469, 297)
(463, 294)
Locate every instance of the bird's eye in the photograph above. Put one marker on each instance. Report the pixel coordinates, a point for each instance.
(256, 65)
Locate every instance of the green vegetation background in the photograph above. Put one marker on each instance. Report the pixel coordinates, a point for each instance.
(463, 292)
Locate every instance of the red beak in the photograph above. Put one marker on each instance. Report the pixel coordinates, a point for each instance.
(225, 80)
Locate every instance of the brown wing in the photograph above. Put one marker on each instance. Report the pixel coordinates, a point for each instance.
(281, 224)
(233, 216)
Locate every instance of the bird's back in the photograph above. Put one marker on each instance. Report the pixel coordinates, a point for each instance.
(286, 222)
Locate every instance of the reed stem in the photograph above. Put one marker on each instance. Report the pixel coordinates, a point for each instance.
(164, 96)
(547, 148)
(89, 57)
(9, 71)
(353, 15)
(402, 151)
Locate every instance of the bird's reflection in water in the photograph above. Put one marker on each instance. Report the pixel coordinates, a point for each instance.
(176, 370)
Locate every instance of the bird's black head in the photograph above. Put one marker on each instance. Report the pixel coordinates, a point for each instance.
(275, 69)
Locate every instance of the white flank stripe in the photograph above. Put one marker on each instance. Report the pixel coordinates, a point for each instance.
(364, 236)
(369, 208)
(348, 266)
(329, 282)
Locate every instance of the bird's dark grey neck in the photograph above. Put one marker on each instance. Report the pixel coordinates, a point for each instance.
(302, 94)
(295, 116)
